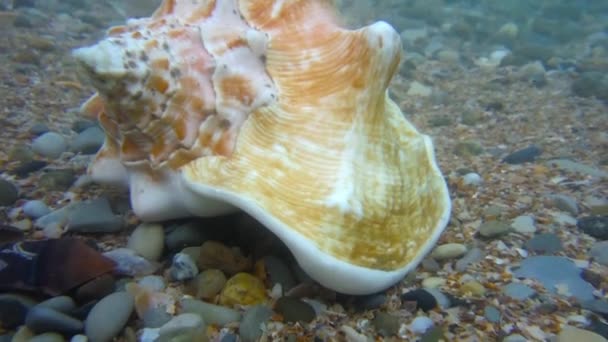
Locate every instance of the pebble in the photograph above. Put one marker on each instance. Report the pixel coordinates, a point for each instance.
(421, 324)
(93, 216)
(433, 282)
(155, 317)
(57, 180)
(386, 324)
(524, 224)
(492, 314)
(47, 337)
(472, 179)
(129, 263)
(525, 155)
(575, 167)
(473, 287)
(449, 251)
(13, 309)
(552, 270)
(430, 265)
(42, 319)
(243, 289)
(597, 206)
(569, 334)
(427, 299)
(596, 226)
(50, 145)
(370, 302)
(8, 193)
(565, 203)
(518, 291)
(216, 255)
(62, 304)
(183, 267)
(39, 128)
(294, 310)
(96, 289)
(229, 337)
(493, 228)
(418, 89)
(473, 256)
(599, 252)
(546, 243)
(211, 314)
(147, 240)
(515, 338)
(153, 283)
(109, 316)
(186, 235)
(35, 209)
(207, 284)
(28, 167)
(184, 327)
(80, 125)
(277, 272)
(250, 329)
(89, 141)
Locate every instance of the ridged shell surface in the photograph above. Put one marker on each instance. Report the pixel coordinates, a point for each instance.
(271, 107)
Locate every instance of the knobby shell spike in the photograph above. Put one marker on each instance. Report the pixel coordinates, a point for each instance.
(269, 106)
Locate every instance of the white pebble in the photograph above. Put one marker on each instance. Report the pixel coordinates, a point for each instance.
(472, 179)
(153, 283)
(421, 324)
(148, 240)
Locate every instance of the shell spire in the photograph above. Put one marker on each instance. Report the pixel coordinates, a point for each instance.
(273, 108)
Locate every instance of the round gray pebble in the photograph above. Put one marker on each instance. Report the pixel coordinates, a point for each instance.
(35, 209)
(107, 318)
(42, 319)
(50, 145)
(89, 141)
(250, 328)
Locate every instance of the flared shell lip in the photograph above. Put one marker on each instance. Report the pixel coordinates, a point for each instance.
(326, 269)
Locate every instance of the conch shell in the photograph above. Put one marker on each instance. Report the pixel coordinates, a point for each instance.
(271, 107)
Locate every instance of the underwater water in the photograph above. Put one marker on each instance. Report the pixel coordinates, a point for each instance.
(513, 95)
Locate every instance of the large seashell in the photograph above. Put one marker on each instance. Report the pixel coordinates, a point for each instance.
(271, 107)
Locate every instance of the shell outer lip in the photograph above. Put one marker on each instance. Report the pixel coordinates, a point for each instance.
(326, 269)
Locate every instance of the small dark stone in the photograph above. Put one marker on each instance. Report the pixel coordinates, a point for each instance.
(386, 324)
(26, 168)
(546, 243)
(294, 310)
(596, 226)
(229, 338)
(8, 193)
(41, 320)
(12, 311)
(370, 302)
(525, 155)
(592, 278)
(423, 299)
